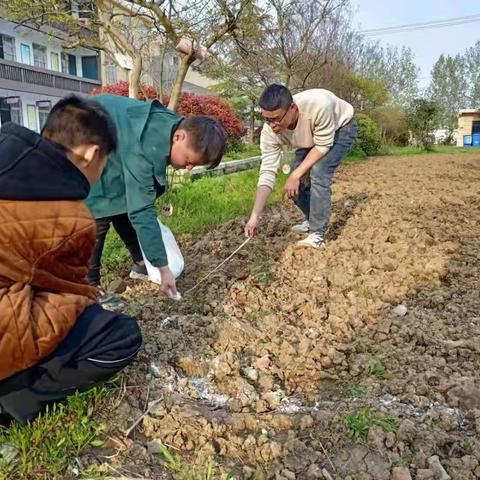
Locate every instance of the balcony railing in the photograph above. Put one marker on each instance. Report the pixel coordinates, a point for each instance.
(19, 72)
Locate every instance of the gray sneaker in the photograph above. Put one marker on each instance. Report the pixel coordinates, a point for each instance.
(314, 240)
(301, 227)
(110, 301)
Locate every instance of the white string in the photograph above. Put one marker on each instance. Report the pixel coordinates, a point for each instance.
(218, 266)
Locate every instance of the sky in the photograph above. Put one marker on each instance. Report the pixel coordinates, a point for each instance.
(427, 45)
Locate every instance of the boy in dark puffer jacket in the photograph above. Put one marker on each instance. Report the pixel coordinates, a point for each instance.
(54, 338)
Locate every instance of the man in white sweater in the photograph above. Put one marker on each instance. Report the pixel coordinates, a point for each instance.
(321, 127)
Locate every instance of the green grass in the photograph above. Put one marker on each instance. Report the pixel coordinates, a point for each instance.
(466, 447)
(200, 206)
(450, 149)
(356, 392)
(47, 447)
(242, 151)
(359, 422)
(376, 369)
(355, 155)
(183, 471)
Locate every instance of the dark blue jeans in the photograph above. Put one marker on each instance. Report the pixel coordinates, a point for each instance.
(315, 193)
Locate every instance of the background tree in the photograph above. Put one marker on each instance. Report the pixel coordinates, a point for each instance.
(393, 67)
(192, 28)
(472, 59)
(392, 122)
(424, 116)
(332, 56)
(449, 88)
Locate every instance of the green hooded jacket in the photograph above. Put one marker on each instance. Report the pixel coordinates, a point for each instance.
(130, 179)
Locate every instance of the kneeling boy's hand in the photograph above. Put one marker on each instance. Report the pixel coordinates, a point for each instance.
(168, 286)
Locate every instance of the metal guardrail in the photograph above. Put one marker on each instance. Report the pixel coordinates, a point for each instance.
(177, 178)
(225, 168)
(23, 73)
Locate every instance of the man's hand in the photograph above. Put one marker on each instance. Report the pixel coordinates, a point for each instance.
(251, 230)
(168, 286)
(292, 186)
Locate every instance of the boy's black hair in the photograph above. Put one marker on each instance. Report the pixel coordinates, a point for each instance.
(207, 137)
(75, 121)
(275, 96)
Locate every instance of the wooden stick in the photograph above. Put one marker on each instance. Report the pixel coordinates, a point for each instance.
(129, 430)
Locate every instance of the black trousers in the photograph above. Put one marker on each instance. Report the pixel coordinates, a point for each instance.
(100, 344)
(121, 223)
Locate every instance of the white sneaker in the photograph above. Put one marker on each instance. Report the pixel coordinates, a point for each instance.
(314, 240)
(139, 272)
(301, 227)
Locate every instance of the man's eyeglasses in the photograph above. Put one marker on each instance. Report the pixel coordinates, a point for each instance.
(277, 121)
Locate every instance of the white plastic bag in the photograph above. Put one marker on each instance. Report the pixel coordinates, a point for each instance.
(174, 256)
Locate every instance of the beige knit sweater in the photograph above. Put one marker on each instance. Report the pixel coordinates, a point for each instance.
(321, 114)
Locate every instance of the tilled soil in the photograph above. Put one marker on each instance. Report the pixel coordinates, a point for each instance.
(358, 361)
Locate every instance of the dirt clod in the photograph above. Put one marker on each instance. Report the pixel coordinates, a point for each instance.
(400, 310)
(117, 286)
(401, 473)
(437, 468)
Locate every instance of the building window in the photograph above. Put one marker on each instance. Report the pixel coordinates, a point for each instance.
(44, 108)
(54, 61)
(7, 48)
(11, 110)
(5, 112)
(16, 113)
(64, 63)
(25, 54)
(32, 117)
(90, 67)
(110, 71)
(39, 56)
(475, 127)
(69, 64)
(72, 64)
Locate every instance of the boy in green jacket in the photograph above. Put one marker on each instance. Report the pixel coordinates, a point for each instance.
(150, 137)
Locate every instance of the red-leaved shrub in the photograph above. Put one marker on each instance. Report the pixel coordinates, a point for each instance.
(189, 104)
(121, 88)
(196, 104)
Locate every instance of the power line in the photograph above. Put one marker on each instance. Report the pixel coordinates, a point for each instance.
(448, 22)
(431, 27)
(422, 23)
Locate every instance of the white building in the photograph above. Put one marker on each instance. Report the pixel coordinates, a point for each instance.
(35, 72)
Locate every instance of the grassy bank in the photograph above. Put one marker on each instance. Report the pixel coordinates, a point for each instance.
(242, 151)
(47, 448)
(450, 149)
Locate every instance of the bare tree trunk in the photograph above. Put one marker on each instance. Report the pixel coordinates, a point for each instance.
(251, 137)
(187, 60)
(161, 90)
(287, 79)
(134, 76)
